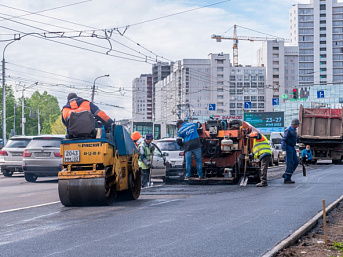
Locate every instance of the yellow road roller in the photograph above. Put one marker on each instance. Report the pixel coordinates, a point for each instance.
(98, 170)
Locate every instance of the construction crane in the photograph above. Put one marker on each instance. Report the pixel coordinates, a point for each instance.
(235, 39)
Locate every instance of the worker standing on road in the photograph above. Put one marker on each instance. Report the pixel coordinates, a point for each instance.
(306, 155)
(192, 145)
(262, 151)
(80, 116)
(145, 150)
(288, 143)
(136, 136)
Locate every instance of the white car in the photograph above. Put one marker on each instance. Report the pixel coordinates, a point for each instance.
(173, 152)
(275, 155)
(11, 154)
(174, 158)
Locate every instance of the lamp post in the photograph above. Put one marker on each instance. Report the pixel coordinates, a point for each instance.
(93, 90)
(4, 93)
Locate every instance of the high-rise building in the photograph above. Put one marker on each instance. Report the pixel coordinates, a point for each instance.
(281, 66)
(142, 98)
(317, 28)
(204, 87)
(160, 70)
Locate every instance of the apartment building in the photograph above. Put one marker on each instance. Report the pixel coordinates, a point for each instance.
(204, 87)
(317, 28)
(142, 98)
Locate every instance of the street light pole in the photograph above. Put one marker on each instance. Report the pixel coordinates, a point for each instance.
(93, 90)
(4, 93)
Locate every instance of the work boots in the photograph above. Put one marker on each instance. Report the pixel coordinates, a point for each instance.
(262, 184)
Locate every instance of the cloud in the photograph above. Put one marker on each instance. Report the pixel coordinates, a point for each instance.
(177, 37)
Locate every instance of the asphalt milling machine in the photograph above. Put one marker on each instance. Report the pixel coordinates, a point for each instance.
(98, 170)
(225, 153)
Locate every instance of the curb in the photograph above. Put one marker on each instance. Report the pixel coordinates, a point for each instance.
(290, 240)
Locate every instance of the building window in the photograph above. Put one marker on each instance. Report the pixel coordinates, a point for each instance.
(220, 97)
(246, 98)
(220, 69)
(220, 83)
(220, 90)
(275, 76)
(232, 105)
(254, 98)
(322, 7)
(220, 61)
(239, 105)
(232, 77)
(220, 76)
(232, 112)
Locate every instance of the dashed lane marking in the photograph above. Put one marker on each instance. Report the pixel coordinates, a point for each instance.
(29, 207)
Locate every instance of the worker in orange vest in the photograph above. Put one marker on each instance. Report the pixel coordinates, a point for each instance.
(80, 115)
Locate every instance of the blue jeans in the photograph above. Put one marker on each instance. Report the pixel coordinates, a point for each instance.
(188, 157)
(291, 162)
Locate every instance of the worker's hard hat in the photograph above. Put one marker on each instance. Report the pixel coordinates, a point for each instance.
(295, 121)
(136, 136)
(71, 96)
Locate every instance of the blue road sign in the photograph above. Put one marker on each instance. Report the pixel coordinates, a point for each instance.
(212, 107)
(247, 105)
(320, 94)
(276, 101)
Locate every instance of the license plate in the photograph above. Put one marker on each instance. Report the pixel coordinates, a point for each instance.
(72, 156)
(44, 154)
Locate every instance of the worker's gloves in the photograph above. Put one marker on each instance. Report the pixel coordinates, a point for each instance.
(251, 156)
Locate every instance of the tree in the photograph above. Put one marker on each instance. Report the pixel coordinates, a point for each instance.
(9, 110)
(49, 111)
(58, 127)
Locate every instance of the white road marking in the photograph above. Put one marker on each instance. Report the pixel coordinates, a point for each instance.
(29, 207)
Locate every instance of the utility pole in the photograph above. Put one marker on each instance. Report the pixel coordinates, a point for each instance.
(22, 114)
(4, 92)
(93, 90)
(15, 105)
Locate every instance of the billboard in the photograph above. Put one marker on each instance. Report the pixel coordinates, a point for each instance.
(266, 122)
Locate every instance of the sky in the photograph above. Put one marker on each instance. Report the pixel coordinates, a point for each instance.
(66, 45)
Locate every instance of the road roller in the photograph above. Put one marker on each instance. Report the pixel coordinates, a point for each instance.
(98, 170)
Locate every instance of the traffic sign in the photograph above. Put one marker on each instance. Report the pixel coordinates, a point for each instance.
(247, 105)
(275, 101)
(320, 94)
(212, 107)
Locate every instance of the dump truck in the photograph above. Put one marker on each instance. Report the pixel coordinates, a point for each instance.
(321, 128)
(98, 170)
(225, 149)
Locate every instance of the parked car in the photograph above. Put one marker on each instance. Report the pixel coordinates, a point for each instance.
(11, 155)
(275, 155)
(42, 157)
(173, 152)
(174, 158)
(158, 164)
(283, 153)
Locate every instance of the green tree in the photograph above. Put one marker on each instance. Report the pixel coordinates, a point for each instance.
(58, 127)
(10, 100)
(49, 111)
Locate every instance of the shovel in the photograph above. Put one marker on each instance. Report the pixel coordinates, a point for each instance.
(304, 168)
(244, 180)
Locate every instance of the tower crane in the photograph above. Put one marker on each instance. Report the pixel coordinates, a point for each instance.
(236, 38)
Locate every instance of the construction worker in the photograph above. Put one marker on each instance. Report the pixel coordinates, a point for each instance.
(192, 145)
(145, 150)
(261, 150)
(80, 116)
(288, 142)
(135, 137)
(306, 155)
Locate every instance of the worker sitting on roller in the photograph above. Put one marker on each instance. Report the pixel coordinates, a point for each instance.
(136, 136)
(262, 151)
(81, 117)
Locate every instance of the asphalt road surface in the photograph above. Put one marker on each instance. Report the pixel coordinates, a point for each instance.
(167, 220)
